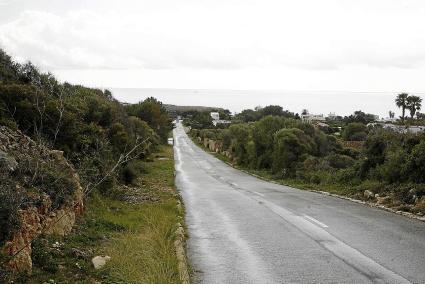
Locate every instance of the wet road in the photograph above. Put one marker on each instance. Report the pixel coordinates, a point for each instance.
(246, 230)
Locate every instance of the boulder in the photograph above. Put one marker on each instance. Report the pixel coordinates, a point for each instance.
(100, 261)
(368, 194)
(383, 200)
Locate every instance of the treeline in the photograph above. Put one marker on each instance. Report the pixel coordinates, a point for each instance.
(202, 119)
(250, 115)
(389, 164)
(92, 128)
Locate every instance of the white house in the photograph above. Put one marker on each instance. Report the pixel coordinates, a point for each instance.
(309, 118)
(215, 115)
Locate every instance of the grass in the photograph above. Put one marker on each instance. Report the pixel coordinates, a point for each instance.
(138, 235)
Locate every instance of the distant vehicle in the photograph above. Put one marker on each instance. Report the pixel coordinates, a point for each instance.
(170, 141)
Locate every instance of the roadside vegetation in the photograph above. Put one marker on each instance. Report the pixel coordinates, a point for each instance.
(135, 227)
(126, 173)
(348, 155)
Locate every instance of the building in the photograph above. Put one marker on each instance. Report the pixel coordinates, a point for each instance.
(310, 118)
(414, 129)
(216, 119)
(215, 115)
(332, 116)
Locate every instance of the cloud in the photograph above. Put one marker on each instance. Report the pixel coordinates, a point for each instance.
(227, 35)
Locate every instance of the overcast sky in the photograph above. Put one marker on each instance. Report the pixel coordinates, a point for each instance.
(352, 45)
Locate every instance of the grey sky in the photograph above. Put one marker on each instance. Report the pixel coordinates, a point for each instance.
(357, 45)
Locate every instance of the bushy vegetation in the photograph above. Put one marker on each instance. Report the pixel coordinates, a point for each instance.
(137, 232)
(197, 119)
(388, 163)
(249, 115)
(107, 143)
(89, 125)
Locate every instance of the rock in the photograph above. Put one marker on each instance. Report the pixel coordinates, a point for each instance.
(38, 216)
(368, 194)
(7, 161)
(100, 261)
(383, 200)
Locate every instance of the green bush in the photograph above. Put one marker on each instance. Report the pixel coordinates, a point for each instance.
(289, 146)
(355, 131)
(338, 161)
(416, 163)
(393, 170)
(348, 176)
(132, 171)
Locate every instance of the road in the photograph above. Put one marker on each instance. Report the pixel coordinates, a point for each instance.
(246, 230)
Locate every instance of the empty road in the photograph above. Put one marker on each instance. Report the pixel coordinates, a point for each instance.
(246, 230)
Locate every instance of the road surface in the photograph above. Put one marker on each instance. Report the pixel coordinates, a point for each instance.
(246, 230)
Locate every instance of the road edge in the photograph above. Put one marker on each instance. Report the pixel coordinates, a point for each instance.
(370, 204)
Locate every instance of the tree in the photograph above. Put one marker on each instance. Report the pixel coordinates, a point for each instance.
(361, 117)
(416, 163)
(414, 103)
(248, 115)
(304, 111)
(241, 134)
(263, 132)
(289, 147)
(355, 132)
(272, 110)
(420, 115)
(153, 112)
(401, 102)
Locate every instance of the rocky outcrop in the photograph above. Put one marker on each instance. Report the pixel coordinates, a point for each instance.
(49, 185)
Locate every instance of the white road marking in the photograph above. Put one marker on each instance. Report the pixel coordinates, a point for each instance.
(260, 194)
(316, 221)
(371, 269)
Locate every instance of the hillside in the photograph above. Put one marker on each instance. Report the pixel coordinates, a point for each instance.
(40, 194)
(62, 145)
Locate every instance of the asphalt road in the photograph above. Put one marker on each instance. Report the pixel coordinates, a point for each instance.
(246, 230)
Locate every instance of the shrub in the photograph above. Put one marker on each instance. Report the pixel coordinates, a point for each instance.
(315, 178)
(311, 163)
(393, 169)
(355, 132)
(289, 147)
(416, 163)
(226, 138)
(348, 176)
(338, 161)
(132, 171)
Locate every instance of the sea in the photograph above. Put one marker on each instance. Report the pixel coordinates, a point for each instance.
(316, 102)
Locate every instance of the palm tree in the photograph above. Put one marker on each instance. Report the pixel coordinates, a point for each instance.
(401, 101)
(414, 103)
